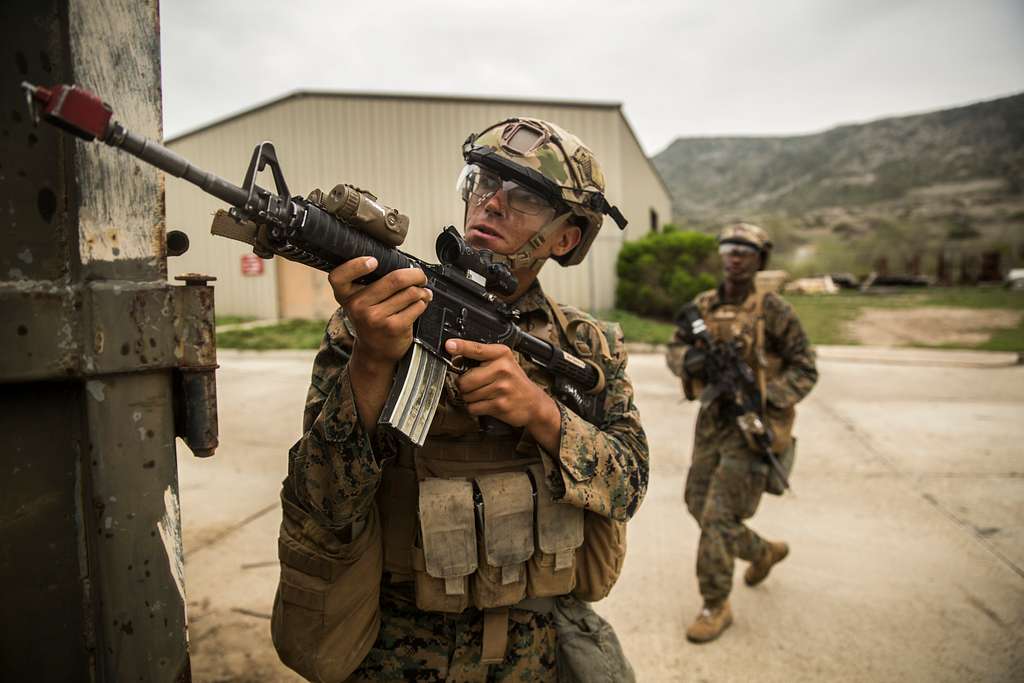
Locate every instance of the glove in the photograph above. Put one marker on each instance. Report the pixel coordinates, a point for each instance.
(693, 363)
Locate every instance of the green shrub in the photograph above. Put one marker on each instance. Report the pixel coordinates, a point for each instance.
(661, 271)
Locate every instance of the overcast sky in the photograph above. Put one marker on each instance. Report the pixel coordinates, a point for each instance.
(679, 67)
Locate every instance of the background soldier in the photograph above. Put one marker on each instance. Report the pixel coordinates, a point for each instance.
(727, 477)
(370, 559)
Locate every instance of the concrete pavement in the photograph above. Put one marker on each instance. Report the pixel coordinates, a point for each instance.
(907, 528)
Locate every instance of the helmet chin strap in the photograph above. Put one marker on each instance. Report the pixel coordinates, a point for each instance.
(523, 258)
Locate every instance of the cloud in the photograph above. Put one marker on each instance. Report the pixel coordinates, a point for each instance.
(679, 68)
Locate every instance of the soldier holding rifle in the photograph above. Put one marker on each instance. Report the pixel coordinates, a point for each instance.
(461, 488)
(745, 420)
(496, 530)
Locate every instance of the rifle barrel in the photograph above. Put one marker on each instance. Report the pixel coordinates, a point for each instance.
(156, 154)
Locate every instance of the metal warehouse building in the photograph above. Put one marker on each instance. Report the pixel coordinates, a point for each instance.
(406, 149)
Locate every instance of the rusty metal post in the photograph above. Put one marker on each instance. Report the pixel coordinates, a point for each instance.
(93, 342)
(196, 388)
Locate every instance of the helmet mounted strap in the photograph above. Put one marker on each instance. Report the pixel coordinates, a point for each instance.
(522, 258)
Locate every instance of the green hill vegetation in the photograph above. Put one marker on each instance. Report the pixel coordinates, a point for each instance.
(897, 195)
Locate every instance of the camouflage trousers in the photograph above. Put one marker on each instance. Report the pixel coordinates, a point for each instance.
(723, 488)
(414, 645)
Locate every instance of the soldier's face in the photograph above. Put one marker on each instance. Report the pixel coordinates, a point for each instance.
(739, 262)
(493, 224)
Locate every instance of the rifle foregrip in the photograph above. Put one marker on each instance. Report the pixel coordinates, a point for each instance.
(328, 238)
(583, 375)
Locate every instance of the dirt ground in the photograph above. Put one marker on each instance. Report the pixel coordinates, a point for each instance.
(907, 528)
(929, 326)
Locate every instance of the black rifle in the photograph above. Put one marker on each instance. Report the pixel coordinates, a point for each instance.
(732, 382)
(466, 285)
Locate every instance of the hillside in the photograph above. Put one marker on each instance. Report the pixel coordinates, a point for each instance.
(855, 164)
(953, 175)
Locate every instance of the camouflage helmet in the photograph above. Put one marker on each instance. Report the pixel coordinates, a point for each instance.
(554, 163)
(749, 234)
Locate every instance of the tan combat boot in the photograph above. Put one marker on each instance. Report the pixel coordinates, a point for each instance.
(774, 553)
(710, 623)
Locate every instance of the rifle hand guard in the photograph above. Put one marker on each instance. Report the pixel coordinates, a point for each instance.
(691, 326)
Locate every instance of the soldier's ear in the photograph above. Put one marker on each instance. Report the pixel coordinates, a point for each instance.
(568, 237)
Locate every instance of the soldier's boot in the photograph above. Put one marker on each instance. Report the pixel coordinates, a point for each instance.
(774, 552)
(710, 623)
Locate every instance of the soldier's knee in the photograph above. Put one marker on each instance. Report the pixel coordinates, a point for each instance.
(720, 521)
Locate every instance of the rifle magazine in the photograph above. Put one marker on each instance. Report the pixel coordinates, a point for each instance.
(415, 393)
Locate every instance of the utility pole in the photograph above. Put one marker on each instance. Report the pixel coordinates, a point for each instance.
(102, 364)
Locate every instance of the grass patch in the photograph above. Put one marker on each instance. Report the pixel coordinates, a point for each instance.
(1006, 339)
(976, 297)
(288, 334)
(822, 316)
(232, 319)
(638, 329)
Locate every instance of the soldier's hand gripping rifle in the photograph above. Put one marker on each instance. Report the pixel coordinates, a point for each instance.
(730, 380)
(325, 231)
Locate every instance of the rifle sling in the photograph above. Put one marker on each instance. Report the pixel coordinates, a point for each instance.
(569, 330)
(759, 351)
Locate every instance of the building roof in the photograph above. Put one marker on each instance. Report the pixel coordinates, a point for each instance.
(463, 99)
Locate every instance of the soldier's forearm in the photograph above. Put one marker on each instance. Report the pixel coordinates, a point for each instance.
(546, 428)
(371, 383)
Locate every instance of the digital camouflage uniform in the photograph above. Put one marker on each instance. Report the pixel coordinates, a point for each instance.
(335, 470)
(726, 478)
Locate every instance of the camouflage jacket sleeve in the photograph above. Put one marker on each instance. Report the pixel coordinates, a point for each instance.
(333, 469)
(784, 335)
(674, 353)
(603, 468)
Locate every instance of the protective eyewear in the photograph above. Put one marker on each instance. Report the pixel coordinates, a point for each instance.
(480, 185)
(734, 249)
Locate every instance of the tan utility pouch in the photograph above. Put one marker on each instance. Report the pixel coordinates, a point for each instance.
(506, 526)
(447, 555)
(559, 528)
(327, 609)
(588, 649)
(599, 559)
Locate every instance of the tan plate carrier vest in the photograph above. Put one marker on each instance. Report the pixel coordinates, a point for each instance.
(468, 520)
(471, 520)
(746, 322)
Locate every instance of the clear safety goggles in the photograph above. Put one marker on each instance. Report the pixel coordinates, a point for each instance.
(736, 249)
(479, 184)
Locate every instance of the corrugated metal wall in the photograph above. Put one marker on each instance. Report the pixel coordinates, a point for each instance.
(407, 151)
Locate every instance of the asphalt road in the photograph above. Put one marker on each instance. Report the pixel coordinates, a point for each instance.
(907, 528)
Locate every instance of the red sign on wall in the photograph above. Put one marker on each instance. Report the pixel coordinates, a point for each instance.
(252, 265)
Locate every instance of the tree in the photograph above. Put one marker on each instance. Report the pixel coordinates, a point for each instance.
(661, 271)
